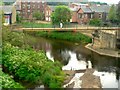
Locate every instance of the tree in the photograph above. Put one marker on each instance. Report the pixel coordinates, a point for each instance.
(2, 16)
(38, 15)
(118, 11)
(1, 3)
(18, 18)
(112, 14)
(61, 14)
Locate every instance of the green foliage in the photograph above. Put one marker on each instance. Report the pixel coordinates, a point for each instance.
(61, 14)
(1, 2)
(38, 15)
(36, 25)
(18, 18)
(2, 16)
(95, 22)
(15, 38)
(8, 82)
(8, 3)
(92, 2)
(0, 55)
(32, 66)
(70, 36)
(112, 14)
(118, 11)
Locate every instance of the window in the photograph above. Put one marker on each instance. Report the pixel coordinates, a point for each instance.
(100, 15)
(7, 19)
(28, 10)
(47, 12)
(38, 6)
(23, 12)
(89, 15)
(28, 6)
(79, 15)
(23, 5)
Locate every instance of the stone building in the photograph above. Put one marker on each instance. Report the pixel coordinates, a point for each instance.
(9, 14)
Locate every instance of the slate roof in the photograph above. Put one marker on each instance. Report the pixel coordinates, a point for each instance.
(6, 9)
(86, 10)
(102, 8)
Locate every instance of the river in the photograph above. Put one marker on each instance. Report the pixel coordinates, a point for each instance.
(74, 56)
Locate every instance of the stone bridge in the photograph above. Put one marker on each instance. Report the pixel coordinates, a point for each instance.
(109, 37)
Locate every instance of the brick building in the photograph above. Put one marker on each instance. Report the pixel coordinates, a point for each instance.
(84, 15)
(48, 12)
(28, 7)
(100, 11)
(81, 13)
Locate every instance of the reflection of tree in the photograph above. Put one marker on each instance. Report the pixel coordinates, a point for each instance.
(60, 51)
(118, 68)
(65, 56)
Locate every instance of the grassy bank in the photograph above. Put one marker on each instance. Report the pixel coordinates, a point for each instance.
(26, 64)
(36, 25)
(69, 36)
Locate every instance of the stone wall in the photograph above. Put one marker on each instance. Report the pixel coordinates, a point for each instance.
(118, 34)
(118, 39)
(108, 40)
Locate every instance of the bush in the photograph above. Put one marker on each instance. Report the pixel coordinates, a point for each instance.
(95, 22)
(32, 66)
(15, 38)
(38, 15)
(7, 81)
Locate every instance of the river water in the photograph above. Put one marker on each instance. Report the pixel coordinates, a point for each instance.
(74, 56)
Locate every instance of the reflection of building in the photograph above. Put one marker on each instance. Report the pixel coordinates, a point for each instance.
(9, 14)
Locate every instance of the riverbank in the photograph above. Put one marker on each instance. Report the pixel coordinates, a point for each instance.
(85, 79)
(105, 52)
(69, 36)
(26, 64)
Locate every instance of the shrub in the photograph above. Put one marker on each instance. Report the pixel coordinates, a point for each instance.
(32, 66)
(8, 82)
(95, 22)
(15, 38)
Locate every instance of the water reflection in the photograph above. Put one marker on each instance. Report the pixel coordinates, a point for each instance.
(74, 63)
(75, 57)
(49, 56)
(108, 80)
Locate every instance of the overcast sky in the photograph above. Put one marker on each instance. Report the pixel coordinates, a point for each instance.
(107, 1)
